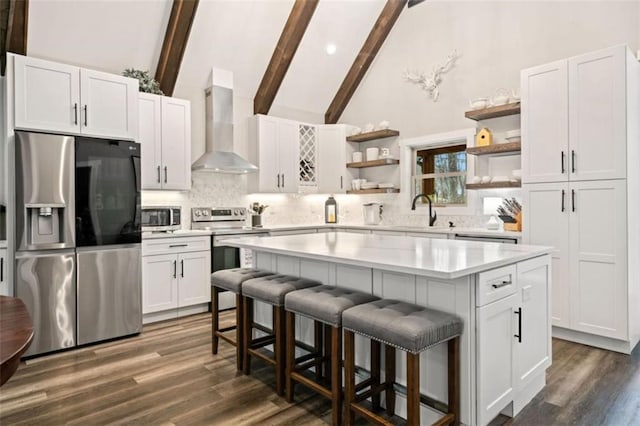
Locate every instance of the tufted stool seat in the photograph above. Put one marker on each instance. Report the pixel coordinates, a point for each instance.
(230, 280)
(272, 290)
(412, 329)
(324, 304)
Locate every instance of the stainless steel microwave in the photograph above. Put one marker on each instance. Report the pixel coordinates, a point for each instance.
(161, 218)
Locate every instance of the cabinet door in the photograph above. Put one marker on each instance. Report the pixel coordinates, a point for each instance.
(495, 344)
(598, 261)
(308, 168)
(47, 95)
(4, 280)
(266, 145)
(109, 105)
(332, 159)
(159, 283)
(533, 351)
(546, 222)
(176, 144)
(545, 129)
(597, 115)
(194, 285)
(149, 136)
(289, 156)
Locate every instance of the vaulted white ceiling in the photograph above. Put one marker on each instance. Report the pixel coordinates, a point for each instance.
(238, 35)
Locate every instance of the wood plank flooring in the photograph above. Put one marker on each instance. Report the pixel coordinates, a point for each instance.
(167, 375)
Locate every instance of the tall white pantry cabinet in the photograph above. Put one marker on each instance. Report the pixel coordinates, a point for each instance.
(581, 189)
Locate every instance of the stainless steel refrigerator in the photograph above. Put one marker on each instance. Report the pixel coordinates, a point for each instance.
(77, 216)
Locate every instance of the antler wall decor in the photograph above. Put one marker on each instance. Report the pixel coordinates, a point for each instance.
(431, 82)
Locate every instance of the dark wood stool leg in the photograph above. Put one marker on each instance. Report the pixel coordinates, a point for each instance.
(336, 375)
(215, 320)
(413, 389)
(239, 331)
(317, 345)
(279, 348)
(390, 378)
(349, 377)
(327, 350)
(247, 325)
(453, 365)
(291, 352)
(375, 372)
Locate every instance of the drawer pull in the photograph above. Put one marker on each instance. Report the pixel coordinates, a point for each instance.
(519, 335)
(178, 245)
(502, 284)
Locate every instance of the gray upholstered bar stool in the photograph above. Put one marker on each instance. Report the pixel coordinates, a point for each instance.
(271, 290)
(413, 329)
(230, 280)
(323, 304)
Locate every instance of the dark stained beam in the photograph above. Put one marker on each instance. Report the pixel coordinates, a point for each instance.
(283, 54)
(183, 13)
(14, 19)
(372, 44)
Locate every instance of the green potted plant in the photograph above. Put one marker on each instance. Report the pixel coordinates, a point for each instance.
(147, 84)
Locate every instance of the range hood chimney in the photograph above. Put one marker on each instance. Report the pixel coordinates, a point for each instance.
(219, 156)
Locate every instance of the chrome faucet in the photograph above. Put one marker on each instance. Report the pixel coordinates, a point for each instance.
(432, 217)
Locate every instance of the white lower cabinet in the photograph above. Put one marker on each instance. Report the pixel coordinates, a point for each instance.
(513, 337)
(4, 280)
(175, 277)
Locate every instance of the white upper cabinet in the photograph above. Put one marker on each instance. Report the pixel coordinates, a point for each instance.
(332, 177)
(597, 115)
(65, 99)
(574, 118)
(545, 129)
(165, 135)
(109, 105)
(47, 95)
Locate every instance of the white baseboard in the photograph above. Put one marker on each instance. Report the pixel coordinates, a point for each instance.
(607, 343)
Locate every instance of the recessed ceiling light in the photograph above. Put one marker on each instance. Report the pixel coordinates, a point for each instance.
(330, 49)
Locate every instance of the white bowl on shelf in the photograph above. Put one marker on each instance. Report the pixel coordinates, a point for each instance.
(499, 179)
(517, 174)
(513, 133)
(369, 185)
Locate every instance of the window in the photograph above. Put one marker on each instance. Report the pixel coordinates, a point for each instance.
(441, 173)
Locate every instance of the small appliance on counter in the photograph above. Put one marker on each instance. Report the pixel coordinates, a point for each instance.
(161, 218)
(372, 213)
(330, 210)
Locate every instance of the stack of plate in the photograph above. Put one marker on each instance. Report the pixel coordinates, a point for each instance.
(513, 135)
(385, 185)
(369, 185)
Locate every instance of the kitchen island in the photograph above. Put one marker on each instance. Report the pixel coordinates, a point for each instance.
(501, 292)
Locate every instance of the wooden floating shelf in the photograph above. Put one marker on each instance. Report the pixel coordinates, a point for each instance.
(495, 149)
(493, 112)
(374, 163)
(374, 191)
(494, 185)
(369, 136)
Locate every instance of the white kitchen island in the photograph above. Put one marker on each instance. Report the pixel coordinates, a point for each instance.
(500, 290)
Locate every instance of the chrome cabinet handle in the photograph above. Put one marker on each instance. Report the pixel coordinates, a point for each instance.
(75, 113)
(573, 161)
(158, 174)
(165, 174)
(519, 335)
(85, 116)
(573, 200)
(562, 161)
(502, 284)
(175, 269)
(562, 208)
(182, 268)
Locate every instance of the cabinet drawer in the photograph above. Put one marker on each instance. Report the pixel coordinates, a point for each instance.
(175, 245)
(495, 284)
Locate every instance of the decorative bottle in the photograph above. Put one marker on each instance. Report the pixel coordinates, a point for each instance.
(330, 210)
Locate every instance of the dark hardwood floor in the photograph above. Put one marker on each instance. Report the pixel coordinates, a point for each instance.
(167, 375)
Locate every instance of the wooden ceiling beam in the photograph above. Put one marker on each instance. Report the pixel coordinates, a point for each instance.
(283, 54)
(14, 26)
(370, 48)
(181, 19)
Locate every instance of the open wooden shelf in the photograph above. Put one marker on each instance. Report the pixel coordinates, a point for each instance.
(493, 112)
(374, 191)
(369, 136)
(494, 185)
(374, 163)
(495, 149)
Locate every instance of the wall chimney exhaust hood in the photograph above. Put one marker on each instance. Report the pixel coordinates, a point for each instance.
(219, 156)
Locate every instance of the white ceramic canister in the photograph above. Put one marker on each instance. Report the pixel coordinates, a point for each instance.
(373, 153)
(356, 157)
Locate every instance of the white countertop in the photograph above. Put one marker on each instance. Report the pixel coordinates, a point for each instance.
(3, 244)
(439, 258)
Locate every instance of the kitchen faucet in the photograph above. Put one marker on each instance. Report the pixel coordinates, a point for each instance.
(432, 218)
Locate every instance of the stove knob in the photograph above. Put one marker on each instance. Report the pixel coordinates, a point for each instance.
(198, 213)
(238, 212)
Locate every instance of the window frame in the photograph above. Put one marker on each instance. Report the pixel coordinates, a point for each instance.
(408, 149)
(428, 186)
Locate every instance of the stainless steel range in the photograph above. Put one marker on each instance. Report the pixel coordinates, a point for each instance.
(225, 222)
